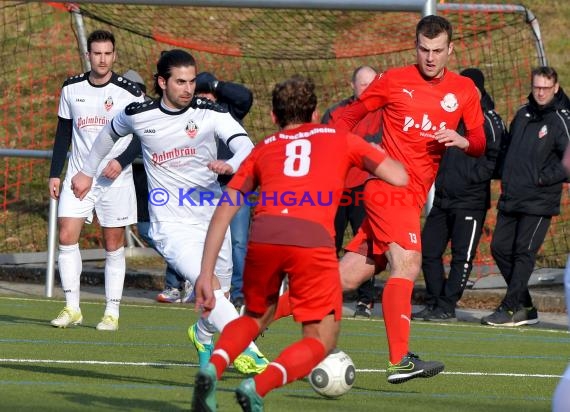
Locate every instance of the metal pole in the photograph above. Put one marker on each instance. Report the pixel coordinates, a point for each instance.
(52, 244)
(430, 8)
(383, 5)
(81, 37)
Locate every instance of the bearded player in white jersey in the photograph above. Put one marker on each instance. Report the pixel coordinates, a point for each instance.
(88, 102)
(178, 134)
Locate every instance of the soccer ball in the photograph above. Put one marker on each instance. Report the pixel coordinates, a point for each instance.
(334, 376)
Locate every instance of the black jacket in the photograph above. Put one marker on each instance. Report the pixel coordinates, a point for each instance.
(463, 182)
(238, 99)
(532, 175)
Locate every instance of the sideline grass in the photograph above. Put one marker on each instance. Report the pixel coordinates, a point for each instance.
(149, 364)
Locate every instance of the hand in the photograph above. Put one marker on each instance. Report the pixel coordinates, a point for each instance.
(205, 300)
(450, 138)
(112, 170)
(220, 167)
(81, 185)
(53, 184)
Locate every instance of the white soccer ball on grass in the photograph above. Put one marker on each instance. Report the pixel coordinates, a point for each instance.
(334, 376)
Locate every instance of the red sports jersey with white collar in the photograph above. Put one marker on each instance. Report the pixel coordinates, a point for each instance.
(301, 175)
(414, 108)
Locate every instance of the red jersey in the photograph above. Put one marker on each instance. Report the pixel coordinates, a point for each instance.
(369, 128)
(414, 108)
(301, 172)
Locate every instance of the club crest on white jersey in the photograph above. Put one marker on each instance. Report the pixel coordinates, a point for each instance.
(191, 129)
(108, 103)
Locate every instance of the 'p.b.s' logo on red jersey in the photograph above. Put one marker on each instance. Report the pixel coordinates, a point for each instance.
(108, 103)
(426, 125)
(191, 129)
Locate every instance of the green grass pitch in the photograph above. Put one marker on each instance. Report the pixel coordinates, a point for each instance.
(149, 365)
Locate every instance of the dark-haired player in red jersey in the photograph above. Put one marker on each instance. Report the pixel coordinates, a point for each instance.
(423, 104)
(298, 169)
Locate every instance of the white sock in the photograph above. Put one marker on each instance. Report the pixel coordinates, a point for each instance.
(224, 312)
(115, 267)
(70, 267)
(204, 332)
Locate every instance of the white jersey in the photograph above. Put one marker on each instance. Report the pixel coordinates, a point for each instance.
(177, 147)
(91, 107)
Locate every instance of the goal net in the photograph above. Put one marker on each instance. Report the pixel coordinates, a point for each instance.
(254, 46)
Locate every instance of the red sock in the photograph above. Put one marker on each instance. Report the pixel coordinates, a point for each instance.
(397, 311)
(235, 338)
(283, 306)
(295, 362)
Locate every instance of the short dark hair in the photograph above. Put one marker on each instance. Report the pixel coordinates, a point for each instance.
(432, 26)
(544, 71)
(294, 100)
(100, 36)
(169, 59)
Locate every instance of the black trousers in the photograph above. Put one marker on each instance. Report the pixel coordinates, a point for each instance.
(516, 241)
(461, 227)
(353, 213)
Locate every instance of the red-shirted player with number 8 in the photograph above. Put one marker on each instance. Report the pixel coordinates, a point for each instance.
(423, 104)
(290, 234)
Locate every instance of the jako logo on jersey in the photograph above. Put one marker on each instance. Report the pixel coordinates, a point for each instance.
(449, 103)
(191, 129)
(80, 100)
(542, 132)
(426, 125)
(109, 103)
(408, 92)
(149, 131)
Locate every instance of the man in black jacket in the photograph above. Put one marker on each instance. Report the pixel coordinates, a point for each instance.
(462, 198)
(531, 189)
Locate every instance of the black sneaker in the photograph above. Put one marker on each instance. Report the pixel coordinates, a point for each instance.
(500, 317)
(363, 310)
(423, 313)
(525, 316)
(238, 303)
(440, 315)
(410, 367)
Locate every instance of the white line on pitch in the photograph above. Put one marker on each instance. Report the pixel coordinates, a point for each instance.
(193, 365)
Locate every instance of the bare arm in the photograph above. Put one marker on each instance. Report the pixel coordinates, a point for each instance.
(392, 172)
(82, 181)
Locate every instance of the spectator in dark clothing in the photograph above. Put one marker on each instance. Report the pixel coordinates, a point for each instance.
(462, 198)
(531, 188)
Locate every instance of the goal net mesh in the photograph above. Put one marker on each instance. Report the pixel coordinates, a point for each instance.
(256, 47)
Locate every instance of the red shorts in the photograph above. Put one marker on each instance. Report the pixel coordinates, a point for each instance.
(314, 280)
(392, 216)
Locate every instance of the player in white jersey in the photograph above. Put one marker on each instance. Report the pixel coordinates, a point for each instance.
(178, 134)
(88, 102)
